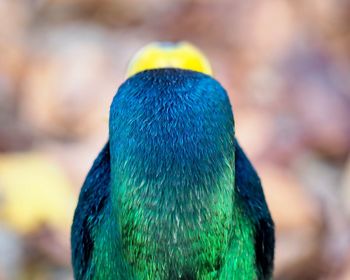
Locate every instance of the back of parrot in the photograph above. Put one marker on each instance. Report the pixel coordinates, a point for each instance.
(172, 194)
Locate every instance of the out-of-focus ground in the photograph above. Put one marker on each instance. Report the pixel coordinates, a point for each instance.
(285, 64)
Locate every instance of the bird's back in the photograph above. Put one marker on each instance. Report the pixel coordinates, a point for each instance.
(162, 200)
(175, 182)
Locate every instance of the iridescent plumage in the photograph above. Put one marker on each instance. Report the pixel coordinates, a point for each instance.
(172, 195)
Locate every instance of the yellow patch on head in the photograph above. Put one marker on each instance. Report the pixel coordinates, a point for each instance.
(169, 55)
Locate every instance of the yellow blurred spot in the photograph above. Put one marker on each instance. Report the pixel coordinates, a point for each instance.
(33, 191)
(169, 55)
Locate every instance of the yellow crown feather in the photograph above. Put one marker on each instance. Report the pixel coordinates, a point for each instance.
(169, 55)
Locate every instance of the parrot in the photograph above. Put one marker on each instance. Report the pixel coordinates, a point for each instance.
(172, 195)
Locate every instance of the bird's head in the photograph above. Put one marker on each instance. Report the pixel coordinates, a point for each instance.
(180, 55)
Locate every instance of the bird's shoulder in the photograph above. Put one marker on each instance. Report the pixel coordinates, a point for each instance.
(92, 200)
(248, 189)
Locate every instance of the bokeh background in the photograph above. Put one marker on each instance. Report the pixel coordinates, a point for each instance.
(285, 64)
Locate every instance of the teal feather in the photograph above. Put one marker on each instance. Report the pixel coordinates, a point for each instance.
(172, 195)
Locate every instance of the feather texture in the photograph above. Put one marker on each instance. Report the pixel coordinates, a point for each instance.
(172, 195)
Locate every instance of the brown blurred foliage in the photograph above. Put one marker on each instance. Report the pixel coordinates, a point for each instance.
(285, 64)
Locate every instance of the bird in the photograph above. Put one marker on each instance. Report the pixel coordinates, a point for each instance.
(172, 195)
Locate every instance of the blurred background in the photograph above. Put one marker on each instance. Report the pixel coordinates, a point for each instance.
(285, 64)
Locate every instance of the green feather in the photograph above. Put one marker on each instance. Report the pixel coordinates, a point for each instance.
(172, 195)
